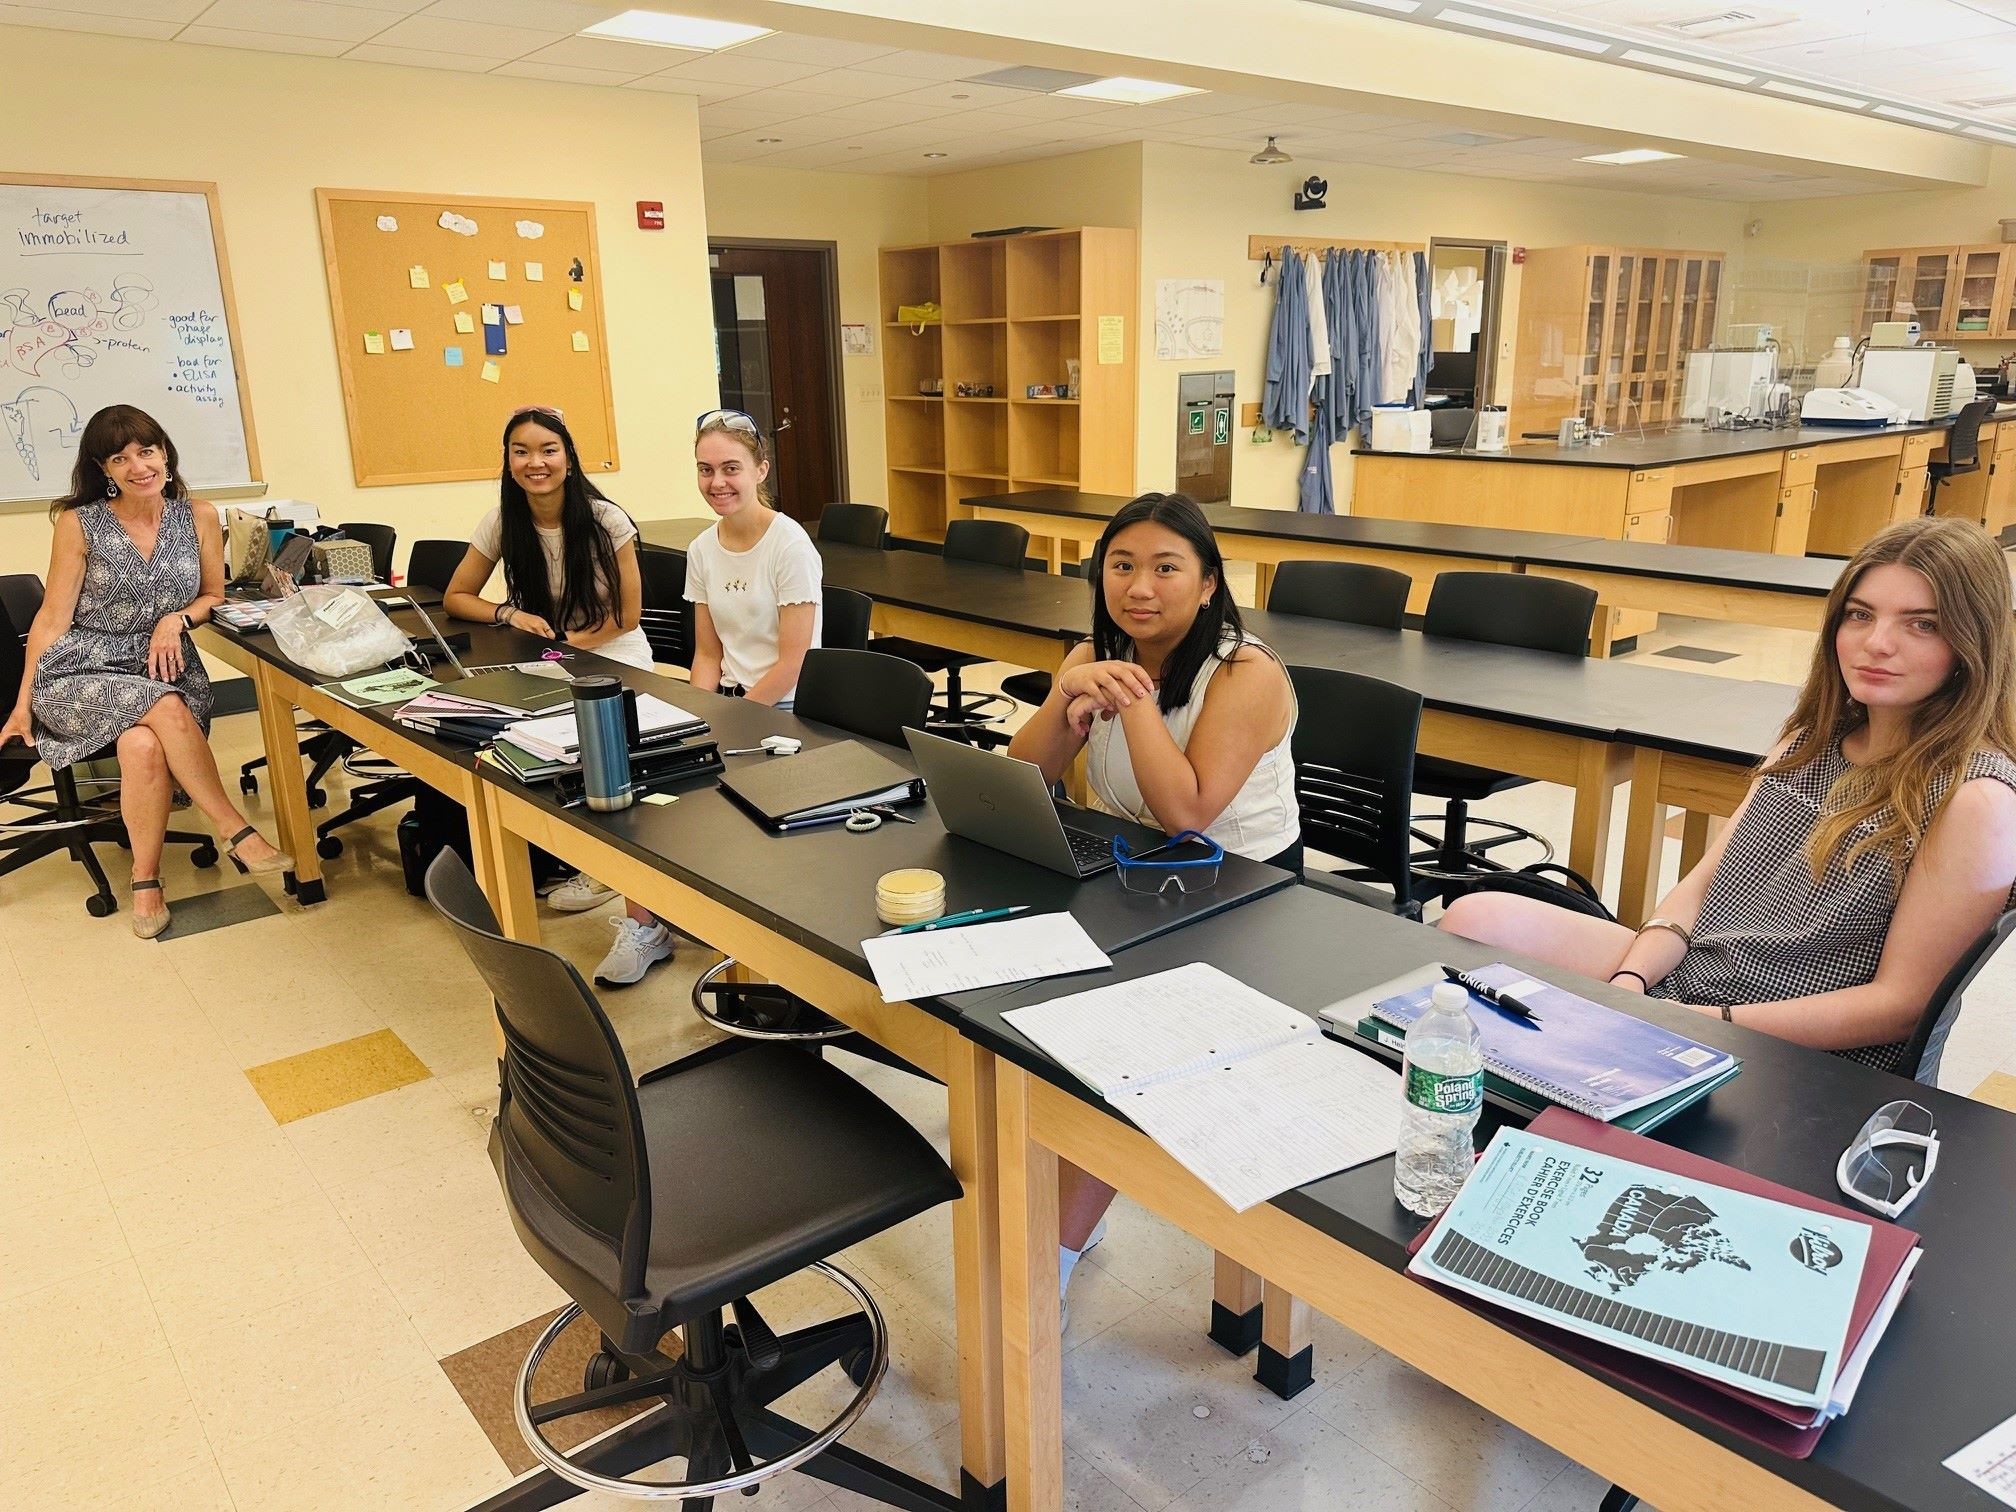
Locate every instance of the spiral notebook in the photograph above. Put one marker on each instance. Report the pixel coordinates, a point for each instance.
(1578, 1054)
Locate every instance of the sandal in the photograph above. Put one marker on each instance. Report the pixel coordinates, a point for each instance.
(152, 924)
(279, 861)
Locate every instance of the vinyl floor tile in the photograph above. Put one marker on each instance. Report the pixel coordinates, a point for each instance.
(317, 1080)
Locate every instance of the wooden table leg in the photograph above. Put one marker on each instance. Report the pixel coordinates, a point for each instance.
(1032, 1352)
(1644, 839)
(1696, 829)
(1235, 1306)
(1263, 583)
(976, 1266)
(289, 782)
(1056, 553)
(1287, 1355)
(1598, 766)
(503, 868)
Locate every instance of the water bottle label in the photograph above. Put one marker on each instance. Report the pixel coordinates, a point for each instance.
(1444, 1092)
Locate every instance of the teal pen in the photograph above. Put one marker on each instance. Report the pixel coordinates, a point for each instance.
(971, 916)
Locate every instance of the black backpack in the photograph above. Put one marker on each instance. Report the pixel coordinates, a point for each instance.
(1574, 891)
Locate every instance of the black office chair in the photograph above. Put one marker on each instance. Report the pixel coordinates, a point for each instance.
(844, 620)
(1919, 1056)
(958, 715)
(57, 817)
(667, 617)
(865, 693)
(664, 1203)
(1354, 781)
(1963, 449)
(322, 747)
(1502, 609)
(432, 564)
(1356, 593)
(854, 524)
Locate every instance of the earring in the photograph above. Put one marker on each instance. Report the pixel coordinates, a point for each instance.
(111, 488)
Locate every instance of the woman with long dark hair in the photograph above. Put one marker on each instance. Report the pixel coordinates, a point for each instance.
(135, 565)
(1186, 721)
(1877, 841)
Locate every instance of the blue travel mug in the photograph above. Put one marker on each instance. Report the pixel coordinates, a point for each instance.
(605, 716)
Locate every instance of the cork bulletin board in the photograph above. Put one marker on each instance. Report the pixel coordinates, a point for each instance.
(426, 395)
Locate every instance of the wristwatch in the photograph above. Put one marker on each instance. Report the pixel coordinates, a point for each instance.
(187, 623)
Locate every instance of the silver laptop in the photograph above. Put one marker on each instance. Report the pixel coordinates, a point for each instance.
(1003, 802)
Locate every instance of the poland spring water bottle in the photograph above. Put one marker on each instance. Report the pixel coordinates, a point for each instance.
(1442, 1078)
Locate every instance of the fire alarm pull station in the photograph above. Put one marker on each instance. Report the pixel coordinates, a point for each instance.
(650, 215)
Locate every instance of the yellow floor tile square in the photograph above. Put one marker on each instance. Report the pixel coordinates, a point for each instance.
(318, 1080)
(1999, 1089)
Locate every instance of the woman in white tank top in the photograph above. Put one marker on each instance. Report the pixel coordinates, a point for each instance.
(1185, 720)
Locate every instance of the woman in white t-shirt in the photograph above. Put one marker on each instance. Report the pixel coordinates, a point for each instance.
(753, 577)
(570, 570)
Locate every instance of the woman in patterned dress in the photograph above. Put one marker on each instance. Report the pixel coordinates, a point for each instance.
(136, 563)
(1878, 840)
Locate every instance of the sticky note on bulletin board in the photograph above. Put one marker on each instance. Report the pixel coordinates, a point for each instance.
(425, 422)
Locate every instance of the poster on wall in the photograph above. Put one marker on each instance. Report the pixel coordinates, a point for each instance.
(1189, 317)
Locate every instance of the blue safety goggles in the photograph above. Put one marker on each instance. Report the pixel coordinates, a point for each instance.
(1166, 866)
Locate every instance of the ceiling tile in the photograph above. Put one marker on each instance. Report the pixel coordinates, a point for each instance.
(254, 41)
(925, 65)
(532, 68)
(825, 52)
(417, 57)
(792, 101)
(957, 94)
(811, 131)
(631, 59)
(883, 113)
(472, 39)
(733, 68)
(298, 18)
(103, 14)
(699, 89)
(534, 15)
(851, 83)
(734, 114)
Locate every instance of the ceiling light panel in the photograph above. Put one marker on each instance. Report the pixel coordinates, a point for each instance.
(1125, 91)
(1630, 155)
(660, 30)
(1692, 67)
(1525, 31)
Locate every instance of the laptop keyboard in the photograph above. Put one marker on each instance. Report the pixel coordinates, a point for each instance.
(1091, 852)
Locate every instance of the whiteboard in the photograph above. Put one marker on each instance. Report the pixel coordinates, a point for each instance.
(116, 293)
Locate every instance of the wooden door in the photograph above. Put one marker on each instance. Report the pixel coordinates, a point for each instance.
(776, 330)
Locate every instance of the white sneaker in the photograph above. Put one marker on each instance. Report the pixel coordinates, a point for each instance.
(637, 949)
(579, 893)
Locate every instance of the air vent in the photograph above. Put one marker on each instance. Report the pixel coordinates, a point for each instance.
(1727, 23)
(1035, 80)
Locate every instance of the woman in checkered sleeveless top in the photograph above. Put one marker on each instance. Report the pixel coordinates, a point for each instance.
(1878, 840)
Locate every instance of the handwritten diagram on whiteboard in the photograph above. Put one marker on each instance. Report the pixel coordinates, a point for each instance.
(113, 296)
(1189, 317)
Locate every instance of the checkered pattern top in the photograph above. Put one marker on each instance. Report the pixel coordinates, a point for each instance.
(1768, 931)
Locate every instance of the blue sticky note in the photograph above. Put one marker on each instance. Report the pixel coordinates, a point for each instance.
(452, 356)
(493, 340)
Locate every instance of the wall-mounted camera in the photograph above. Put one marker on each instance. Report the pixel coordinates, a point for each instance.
(1310, 195)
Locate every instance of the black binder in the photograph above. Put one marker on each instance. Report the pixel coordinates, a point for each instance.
(788, 792)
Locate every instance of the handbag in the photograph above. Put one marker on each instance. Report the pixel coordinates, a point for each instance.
(1573, 891)
(248, 545)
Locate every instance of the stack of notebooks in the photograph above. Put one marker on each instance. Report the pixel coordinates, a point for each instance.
(535, 750)
(1746, 1303)
(822, 786)
(476, 710)
(1576, 1054)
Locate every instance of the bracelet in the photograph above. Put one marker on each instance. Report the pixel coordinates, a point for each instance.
(503, 613)
(1728, 1014)
(1624, 971)
(1686, 935)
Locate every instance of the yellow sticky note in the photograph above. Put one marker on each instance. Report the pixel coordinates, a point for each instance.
(661, 798)
(1112, 339)
(491, 372)
(497, 270)
(374, 342)
(465, 323)
(573, 299)
(535, 272)
(455, 292)
(417, 276)
(580, 341)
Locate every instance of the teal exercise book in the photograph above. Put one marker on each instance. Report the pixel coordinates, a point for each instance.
(1574, 1053)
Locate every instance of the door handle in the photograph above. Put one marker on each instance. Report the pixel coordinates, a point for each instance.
(784, 424)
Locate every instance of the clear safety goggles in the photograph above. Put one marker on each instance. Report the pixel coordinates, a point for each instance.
(1891, 1161)
(1187, 862)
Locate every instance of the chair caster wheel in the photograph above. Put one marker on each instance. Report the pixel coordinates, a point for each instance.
(203, 855)
(603, 1369)
(248, 784)
(329, 847)
(856, 1365)
(316, 797)
(98, 905)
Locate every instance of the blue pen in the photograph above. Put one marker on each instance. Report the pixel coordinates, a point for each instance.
(950, 921)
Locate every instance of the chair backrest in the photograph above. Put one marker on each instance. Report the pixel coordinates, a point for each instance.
(1928, 1041)
(1511, 609)
(999, 543)
(433, 563)
(844, 619)
(854, 524)
(865, 693)
(1963, 436)
(1354, 770)
(381, 539)
(667, 617)
(574, 1164)
(1355, 592)
(17, 761)
(20, 600)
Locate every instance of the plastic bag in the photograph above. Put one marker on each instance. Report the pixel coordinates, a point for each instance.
(335, 631)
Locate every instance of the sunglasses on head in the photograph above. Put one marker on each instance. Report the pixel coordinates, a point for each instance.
(731, 419)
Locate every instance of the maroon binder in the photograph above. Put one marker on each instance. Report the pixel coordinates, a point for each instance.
(1792, 1431)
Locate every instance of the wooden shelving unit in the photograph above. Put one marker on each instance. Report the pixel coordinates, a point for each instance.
(1954, 293)
(1015, 311)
